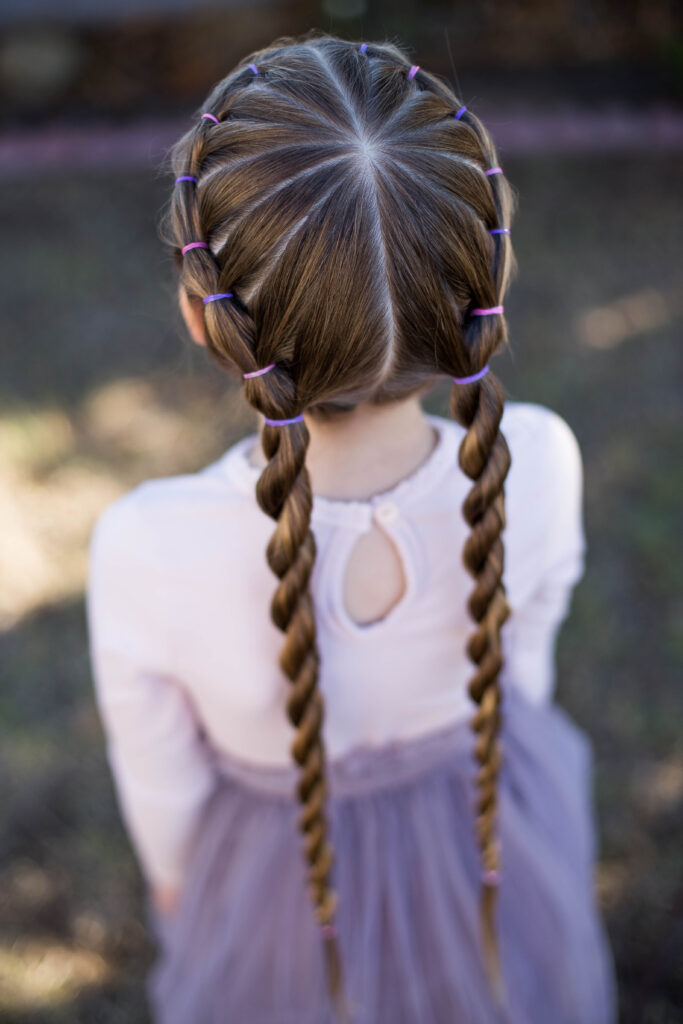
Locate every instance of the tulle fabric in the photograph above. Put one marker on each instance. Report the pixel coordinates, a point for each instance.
(243, 946)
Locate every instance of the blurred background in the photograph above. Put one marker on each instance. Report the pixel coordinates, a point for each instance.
(100, 389)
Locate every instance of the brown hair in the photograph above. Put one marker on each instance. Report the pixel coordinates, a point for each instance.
(348, 213)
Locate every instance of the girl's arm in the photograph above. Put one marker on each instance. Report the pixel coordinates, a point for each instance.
(160, 766)
(557, 551)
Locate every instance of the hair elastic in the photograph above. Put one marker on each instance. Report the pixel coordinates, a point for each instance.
(363, 47)
(329, 931)
(487, 312)
(283, 423)
(253, 68)
(413, 71)
(493, 170)
(490, 876)
(499, 231)
(460, 113)
(257, 373)
(194, 245)
(185, 177)
(473, 377)
(211, 117)
(219, 295)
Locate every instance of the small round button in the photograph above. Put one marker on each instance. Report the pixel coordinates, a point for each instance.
(386, 512)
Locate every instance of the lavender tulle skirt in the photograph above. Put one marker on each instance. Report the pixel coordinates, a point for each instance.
(243, 946)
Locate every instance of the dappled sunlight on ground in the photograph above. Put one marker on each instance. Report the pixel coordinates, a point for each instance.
(642, 311)
(34, 975)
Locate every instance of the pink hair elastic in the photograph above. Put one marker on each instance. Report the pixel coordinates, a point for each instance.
(214, 298)
(499, 231)
(460, 113)
(185, 177)
(253, 68)
(257, 373)
(194, 245)
(487, 312)
(490, 876)
(475, 376)
(329, 931)
(211, 117)
(283, 423)
(413, 71)
(493, 170)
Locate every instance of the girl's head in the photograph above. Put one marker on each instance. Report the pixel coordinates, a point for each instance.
(354, 231)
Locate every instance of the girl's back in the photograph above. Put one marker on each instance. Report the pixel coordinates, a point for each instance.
(369, 664)
(188, 551)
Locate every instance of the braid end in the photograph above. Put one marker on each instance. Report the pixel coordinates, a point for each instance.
(335, 979)
(492, 963)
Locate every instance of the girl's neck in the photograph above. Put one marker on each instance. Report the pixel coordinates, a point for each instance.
(366, 451)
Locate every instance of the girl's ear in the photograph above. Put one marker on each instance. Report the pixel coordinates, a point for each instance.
(191, 308)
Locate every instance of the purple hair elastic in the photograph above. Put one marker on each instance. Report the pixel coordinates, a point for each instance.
(253, 68)
(194, 245)
(493, 170)
(363, 47)
(283, 423)
(460, 113)
(473, 377)
(211, 117)
(490, 876)
(487, 312)
(214, 298)
(499, 231)
(413, 71)
(185, 177)
(257, 373)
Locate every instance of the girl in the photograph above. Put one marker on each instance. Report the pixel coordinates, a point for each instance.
(339, 761)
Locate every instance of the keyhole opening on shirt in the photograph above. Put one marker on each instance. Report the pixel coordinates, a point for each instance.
(374, 578)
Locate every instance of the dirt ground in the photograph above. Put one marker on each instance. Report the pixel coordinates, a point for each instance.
(99, 391)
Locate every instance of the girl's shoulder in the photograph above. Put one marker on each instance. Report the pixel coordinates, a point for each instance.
(174, 517)
(539, 438)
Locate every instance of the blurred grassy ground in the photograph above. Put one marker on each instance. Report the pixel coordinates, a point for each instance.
(99, 392)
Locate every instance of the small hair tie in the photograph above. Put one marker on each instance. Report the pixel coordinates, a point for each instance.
(493, 170)
(211, 117)
(487, 312)
(499, 231)
(363, 47)
(473, 377)
(257, 373)
(185, 177)
(253, 68)
(329, 931)
(283, 423)
(490, 876)
(214, 298)
(460, 113)
(413, 71)
(194, 245)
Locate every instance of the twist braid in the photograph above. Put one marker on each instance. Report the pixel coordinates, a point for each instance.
(485, 458)
(284, 493)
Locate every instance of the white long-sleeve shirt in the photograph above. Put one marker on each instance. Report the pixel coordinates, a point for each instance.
(184, 653)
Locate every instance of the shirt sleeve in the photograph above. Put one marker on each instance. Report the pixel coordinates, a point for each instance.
(155, 750)
(528, 637)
